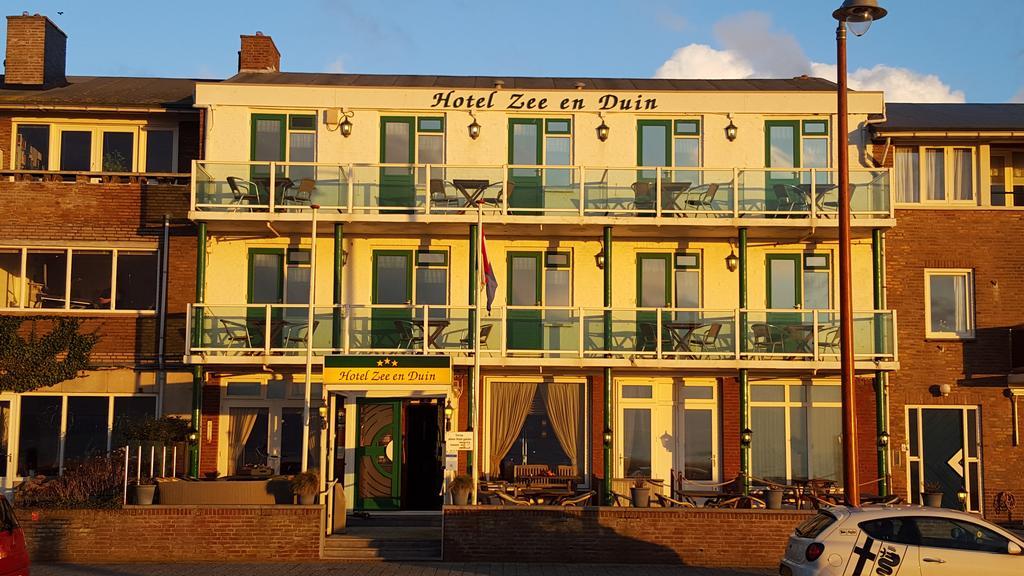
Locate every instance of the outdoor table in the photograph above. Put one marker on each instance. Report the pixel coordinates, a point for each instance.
(472, 189)
(802, 335)
(819, 192)
(438, 329)
(671, 192)
(680, 332)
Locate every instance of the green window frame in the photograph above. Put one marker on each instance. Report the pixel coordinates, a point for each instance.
(302, 122)
(426, 263)
(558, 126)
(686, 128)
(815, 128)
(551, 258)
(424, 124)
(768, 125)
(283, 119)
(280, 273)
(298, 257)
(669, 287)
(686, 260)
(408, 273)
(811, 265)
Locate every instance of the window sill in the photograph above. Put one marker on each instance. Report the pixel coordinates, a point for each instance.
(83, 312)
(937, 338)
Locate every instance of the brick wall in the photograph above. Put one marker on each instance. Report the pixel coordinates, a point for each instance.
(173, 534)
(693, 537)
(258, 54)
(596, 384)
(976, 369)
(209, 428)
(36, 51)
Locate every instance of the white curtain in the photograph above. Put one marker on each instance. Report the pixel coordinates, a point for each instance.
(510, 405)
(563, 403)
(963, 174)
(935, 173)
(242, 421)
(960, 303)
(908, 178)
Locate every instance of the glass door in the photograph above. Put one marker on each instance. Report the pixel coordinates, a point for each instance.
(397, 146)
(782, 150)
(265, 286)
(784, 288)
(653, 290)
(335, 460)
(944, 455)
(654, 148)
(391, 326)
(267, 144)
(635, 439)
(524, 286)
(378, 454)
(524, 149)
(696, 448)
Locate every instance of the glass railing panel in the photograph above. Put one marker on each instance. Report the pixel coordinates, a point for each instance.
(384, 328)
(238, 329)
(870, 193)
(701, 334)
(543, 190)
(447, 330)
(778, 193)
(552, 331)
(617, 192)
(778, 334)
(233, 187)
(457, 189)
(696, 192)
(386, 188)
(301, 185)
(492, 333)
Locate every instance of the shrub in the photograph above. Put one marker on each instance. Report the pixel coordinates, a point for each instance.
(95, 482)
(306, 483)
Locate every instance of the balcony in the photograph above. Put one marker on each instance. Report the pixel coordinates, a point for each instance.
(551, 195)
(531, 336)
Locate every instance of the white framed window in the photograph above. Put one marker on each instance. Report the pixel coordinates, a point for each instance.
(935, 174)
(101, 147)
(949, 303)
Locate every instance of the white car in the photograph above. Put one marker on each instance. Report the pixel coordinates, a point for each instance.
(900, 540)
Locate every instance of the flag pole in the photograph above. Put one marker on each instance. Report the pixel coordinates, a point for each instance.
(475, 408)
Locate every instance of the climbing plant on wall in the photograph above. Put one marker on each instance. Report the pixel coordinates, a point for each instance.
(30, 360)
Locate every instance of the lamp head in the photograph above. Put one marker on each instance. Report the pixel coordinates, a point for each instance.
(607, 437)
(746, 436)
(345, 127)
(599, 258)
(883, 439)
(859, 14)
(731, 131)
(732, 261)
(602, 131)
(474, 127)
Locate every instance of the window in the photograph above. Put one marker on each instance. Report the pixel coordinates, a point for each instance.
(669, 143)
(160, 151)
(797, 431)
(558, 279)
(935, 174)
(284, 138)
(814, 150)
(898, 529)
(558, 151)
(118, 151)
(99, 279)
(687, 289)
(936, 532)
(248, 438)
(795, 144)
(39, 436)
(431, 286)
(950, 309)
(816, 281)
(75, 150)
(429, 147)
(1006, 169)
(87, 421)
(33, 147)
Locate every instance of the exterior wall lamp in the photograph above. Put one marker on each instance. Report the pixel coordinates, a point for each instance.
(602, 129)
(345, 127)
(732, 261)
(961, 496)
(322, 412)
(607, 437)
(883, 439)
(746, 437)
(448, 413)
(945, 389)
(474, 127)
(599, 259)
(731, 130)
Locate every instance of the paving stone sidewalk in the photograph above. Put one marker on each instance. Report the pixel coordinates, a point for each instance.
(383, 569)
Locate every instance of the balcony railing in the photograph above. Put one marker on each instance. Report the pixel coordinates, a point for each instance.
(552, 191)
(548, 332)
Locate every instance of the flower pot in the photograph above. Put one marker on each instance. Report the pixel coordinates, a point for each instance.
(307, 499)
(460, 497)
(641, 497)
(933, 499)
(773, 499)
(144, 494)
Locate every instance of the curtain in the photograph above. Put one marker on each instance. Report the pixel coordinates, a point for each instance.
(908, 180)
(510, 404)
(243, 420)
(963, 174)
(563, 404)
(960, 303)
(935, 175)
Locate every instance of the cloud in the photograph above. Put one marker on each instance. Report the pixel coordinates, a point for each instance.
(336, 67)
(750, 47)
(703, 61)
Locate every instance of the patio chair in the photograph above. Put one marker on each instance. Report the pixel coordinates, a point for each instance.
(765, 338)
(648, 341)
(504, 498)
(301, 194)
(705, 200)
(439, 194)
(250, 194)
(236, 333)
(528, 472)
(578, 500)
(705, 339)
(621, 500)
(643, 196)
(407, 337)
(300, 335)
(485, 332)
(828, 341)
(667, 502)
(566, 471)
(496, 201)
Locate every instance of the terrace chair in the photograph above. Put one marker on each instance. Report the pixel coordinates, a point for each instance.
(667, 502)
(504, 498)
(496, 201)
(407, 337)
(828, 341)
(250, 194)
(528, 472)
(300, 336)
(643, 196)
(236, 333)
(705, 200)
(565, 471)
(621, 500)
(439, 194)
(485, 332)
(705, 339)
(578, 500)
(302, 194)
(765, 338)
(648, 337)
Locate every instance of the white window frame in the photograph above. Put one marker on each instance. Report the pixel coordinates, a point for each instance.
(917, 460)
(969, 333)
(97, 128)
(69, 252)
(947, 158)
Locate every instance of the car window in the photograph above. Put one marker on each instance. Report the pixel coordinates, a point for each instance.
(958, 535)
(7, 520)
(897, 529)
(815, 525)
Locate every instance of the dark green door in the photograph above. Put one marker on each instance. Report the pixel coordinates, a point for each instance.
(378, 454)
(784, 289)
(397, 146)
(653, 148)
(390, 327)
(653, 290)
(524, 148)
(267, 144)
(265, 286)
(524, 326)
(782, 150)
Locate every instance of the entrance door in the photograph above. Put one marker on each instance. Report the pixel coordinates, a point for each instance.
(390, 327)
(944, 454)
(653, 290)
(524, 149)
(335, 459)
(635, 439)
(696, 450)
(397, 186)
(782, 150)
(378, 454)
(267, 144)
(784, 288)
(266, 286)
(524, 326)
(424, 455)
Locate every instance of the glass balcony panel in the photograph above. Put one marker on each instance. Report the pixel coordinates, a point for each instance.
(457, 189)
(231, 328)
(385, 328)
(618, 192)
(869, 194)
(778, 334)
(232, 187)
(302, 184)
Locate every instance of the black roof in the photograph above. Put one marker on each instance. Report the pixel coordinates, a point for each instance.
(952, 117)
(125, 92)
(802, 83)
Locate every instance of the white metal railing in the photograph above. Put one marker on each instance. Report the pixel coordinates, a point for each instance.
(282, 330)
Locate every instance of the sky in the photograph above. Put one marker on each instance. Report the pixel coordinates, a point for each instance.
(923, 51)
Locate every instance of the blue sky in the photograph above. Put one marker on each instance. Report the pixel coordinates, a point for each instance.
(977, 56)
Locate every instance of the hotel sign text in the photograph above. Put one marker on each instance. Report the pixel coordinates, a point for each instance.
(522, 101)
(388, 370)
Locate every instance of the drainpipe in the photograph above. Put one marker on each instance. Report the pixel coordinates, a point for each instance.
(474, 258)
(744, 380)
(161, 346)
(197, 340)
(606, 434)
(339, 263)
(881, 377)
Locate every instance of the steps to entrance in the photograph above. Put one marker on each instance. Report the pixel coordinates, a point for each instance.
(406, 538)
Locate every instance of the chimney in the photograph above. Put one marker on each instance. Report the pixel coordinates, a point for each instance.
(36, 52)
(258, 54)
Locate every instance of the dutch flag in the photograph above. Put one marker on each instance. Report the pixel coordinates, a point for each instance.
(490, 282)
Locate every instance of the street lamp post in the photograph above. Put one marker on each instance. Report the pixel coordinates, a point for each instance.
(858, 14)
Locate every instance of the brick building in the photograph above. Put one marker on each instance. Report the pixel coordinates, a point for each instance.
(94, 173)
(954, 277)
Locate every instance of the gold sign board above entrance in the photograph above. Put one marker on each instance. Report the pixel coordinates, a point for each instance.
(388, 370)
(522, 101)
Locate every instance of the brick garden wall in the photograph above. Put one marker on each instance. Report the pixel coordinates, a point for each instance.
(173, 534)
(693, 537)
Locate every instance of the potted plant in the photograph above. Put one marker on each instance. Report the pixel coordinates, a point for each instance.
(460, 488)
(932, 495)
(641, 493)
(306, 485)
(773, 497)
(145, 491)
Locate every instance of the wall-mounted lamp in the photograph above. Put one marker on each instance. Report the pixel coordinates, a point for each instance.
(746, 437)
(345, 127)
(474, 127)
(602, 129)
(883, 439)
(731, 130)
(961, 495)
(449, 412)
(607, 437)
(193, 437)
(599, 258)
(732, 261)
(945, 389)
(344, 257)
(322, 412)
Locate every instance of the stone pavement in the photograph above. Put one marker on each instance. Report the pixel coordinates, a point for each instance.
(383, 569)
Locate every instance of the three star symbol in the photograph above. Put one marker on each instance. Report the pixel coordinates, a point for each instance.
(387, 362)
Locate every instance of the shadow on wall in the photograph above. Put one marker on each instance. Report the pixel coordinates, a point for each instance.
(990, 355)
